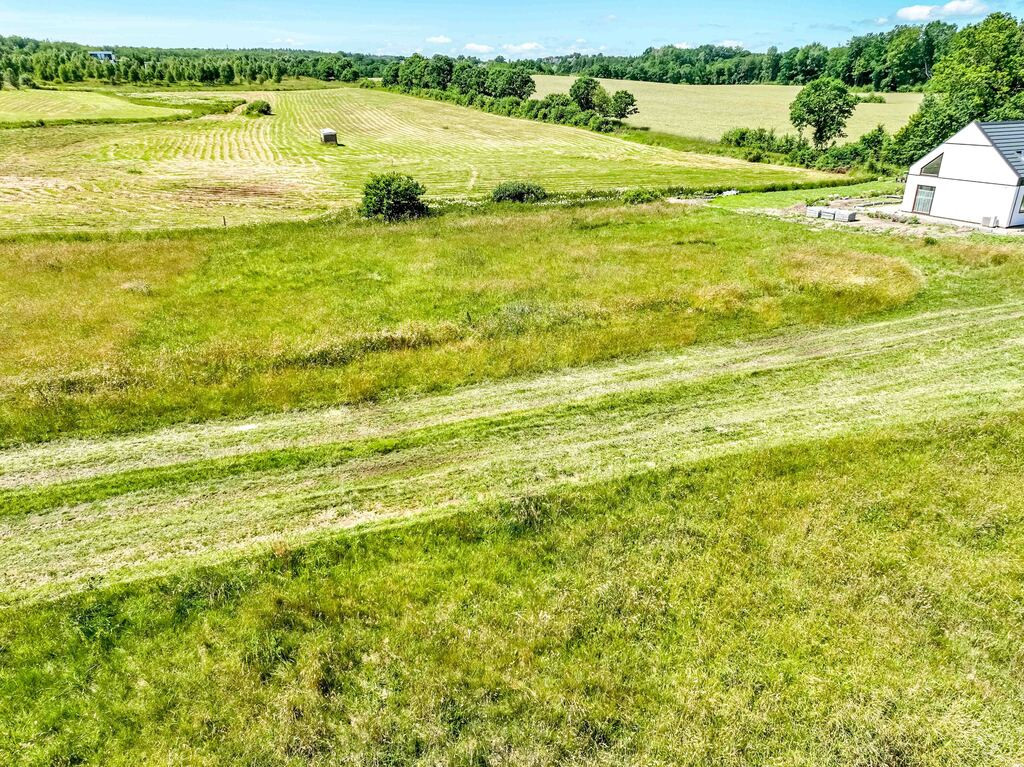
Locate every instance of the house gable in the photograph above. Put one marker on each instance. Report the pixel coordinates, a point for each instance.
(970, 155)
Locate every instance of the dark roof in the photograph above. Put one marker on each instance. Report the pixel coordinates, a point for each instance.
(1008, 138)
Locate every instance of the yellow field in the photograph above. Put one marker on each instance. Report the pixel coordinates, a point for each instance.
(240, 169)
(23, 105)
(708, 111)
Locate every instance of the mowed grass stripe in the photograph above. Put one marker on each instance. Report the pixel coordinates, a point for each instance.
(28, 104)
(85, 459)
(271, 168)
(963, 367)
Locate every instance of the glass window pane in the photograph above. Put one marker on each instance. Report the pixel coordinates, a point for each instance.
(923, 200)
(932, 168)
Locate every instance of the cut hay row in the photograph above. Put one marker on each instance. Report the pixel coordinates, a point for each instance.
(156, 175)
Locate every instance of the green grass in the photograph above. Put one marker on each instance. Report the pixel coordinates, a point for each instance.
(235, 170)
(133, 332)
(787, 199)
(708, 111)
(851, 601)
(623, 485)
(26, 105)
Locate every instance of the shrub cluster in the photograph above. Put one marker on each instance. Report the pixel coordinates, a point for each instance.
(870, 152)
(518, 191)
(257, 108)
(393, 197)
(642, 196)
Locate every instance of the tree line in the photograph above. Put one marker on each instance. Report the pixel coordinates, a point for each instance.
(899, 59)
(25, 63)
(506, 89)
(980, 77)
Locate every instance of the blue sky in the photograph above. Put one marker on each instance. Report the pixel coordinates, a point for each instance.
(513, 29)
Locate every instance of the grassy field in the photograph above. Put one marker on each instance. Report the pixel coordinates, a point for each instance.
(575, 483)
(713, 490)
(26, 104)
(708, 111)
(832, 603)
(237, 169)
(130, 333)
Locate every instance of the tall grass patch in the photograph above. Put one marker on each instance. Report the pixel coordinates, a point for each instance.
(290, 316)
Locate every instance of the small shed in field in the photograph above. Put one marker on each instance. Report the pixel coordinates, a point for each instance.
(328, 136)
(977, 177)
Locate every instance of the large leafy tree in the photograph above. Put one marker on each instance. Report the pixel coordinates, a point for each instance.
(824, 106)
(587, 92)
(981, 77)
(469, 77)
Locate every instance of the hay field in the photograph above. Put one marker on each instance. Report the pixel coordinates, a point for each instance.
(193, 173)
(708, 111)
(24, 105)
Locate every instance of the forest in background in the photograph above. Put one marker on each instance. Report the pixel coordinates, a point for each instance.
(899, 59)
(902, 58)
(25, 62)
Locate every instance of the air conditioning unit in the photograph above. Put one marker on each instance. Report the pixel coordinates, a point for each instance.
(987, 222)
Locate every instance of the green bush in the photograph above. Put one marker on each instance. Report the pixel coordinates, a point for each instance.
(393, 197)
(518, 191)
(257, 108)
(641, 196)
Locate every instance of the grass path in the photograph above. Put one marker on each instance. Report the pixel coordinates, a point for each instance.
(126, 507)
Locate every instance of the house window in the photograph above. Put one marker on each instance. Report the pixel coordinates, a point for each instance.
(1022, 206)
(923, 200)
(932, 168)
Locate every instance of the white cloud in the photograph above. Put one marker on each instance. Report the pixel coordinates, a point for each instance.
(439, 39)
(882, 21)
(951, 9)
(682, 46)
(523, 47)
(580, 41)
(732, 44)
(479, 48)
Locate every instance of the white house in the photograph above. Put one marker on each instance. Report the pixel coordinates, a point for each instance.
(977, 177)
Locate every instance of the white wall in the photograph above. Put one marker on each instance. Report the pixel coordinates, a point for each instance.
(965, 200)
(974, 182)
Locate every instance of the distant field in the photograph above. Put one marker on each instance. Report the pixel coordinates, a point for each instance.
(708, 111)
(193, 173)
(23, 105)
